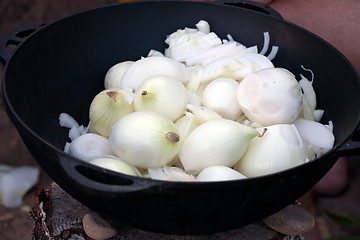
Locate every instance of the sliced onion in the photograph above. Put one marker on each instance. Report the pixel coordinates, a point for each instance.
(219, 173)
(90, 146)
(227, 67)
(273, 53)
(203, 26)
(224, 50)
(318, 113)
(258, 61)
(170, 174)
(306, 110)
(16, 183)
(316, 135)
(76, 130)
(65, 120)
(266, 43)
(308, 91)
(155, 53)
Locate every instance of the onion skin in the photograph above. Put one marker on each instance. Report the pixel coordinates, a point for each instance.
(218, 173)
(162, 94)
(107, 108)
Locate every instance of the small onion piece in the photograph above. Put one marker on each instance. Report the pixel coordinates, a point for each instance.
(230, 49)
(65, 120)
(155, 53)
(258, 61)
(170, 174)
(15, 183)
(219, 173)
(266, 43)
(273, 52)
(315, 134)
(309, 92)
(318, 113)
(203, 26)
(307, 111)
(186, 124)
(229, 67)
(202, 114)
(90, 146)
(188, 42)
(280, 148)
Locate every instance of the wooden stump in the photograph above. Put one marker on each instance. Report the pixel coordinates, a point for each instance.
(58, 216)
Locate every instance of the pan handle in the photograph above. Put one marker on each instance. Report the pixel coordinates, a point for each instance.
(15, 37)
(352, 146)
(254, 6)
(91, 177)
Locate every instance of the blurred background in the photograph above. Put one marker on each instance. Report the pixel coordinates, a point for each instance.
(335, 21)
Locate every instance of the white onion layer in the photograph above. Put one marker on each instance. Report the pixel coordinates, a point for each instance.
(90, 146)
(280, 148)
(270, 96)
(218, 173)
(218, 142)
(148, 67)
(115, 165)
(145, 139)
(114, 74)
(315, 134)
(162, 94)
(220, 96)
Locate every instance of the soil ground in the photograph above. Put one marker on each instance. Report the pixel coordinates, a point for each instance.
(335, 21)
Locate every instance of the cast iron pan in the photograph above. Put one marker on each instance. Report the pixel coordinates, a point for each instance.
(61, 66)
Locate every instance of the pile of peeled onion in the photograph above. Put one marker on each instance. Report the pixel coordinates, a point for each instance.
(204, 110)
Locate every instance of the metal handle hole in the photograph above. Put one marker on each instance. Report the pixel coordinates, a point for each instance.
(25, 33)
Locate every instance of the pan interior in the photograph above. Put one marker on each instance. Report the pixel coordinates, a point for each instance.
(62, 67)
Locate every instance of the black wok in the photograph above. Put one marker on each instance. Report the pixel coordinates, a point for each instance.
(60, 67)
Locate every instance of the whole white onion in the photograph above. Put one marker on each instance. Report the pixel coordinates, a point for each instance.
(270, 96)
